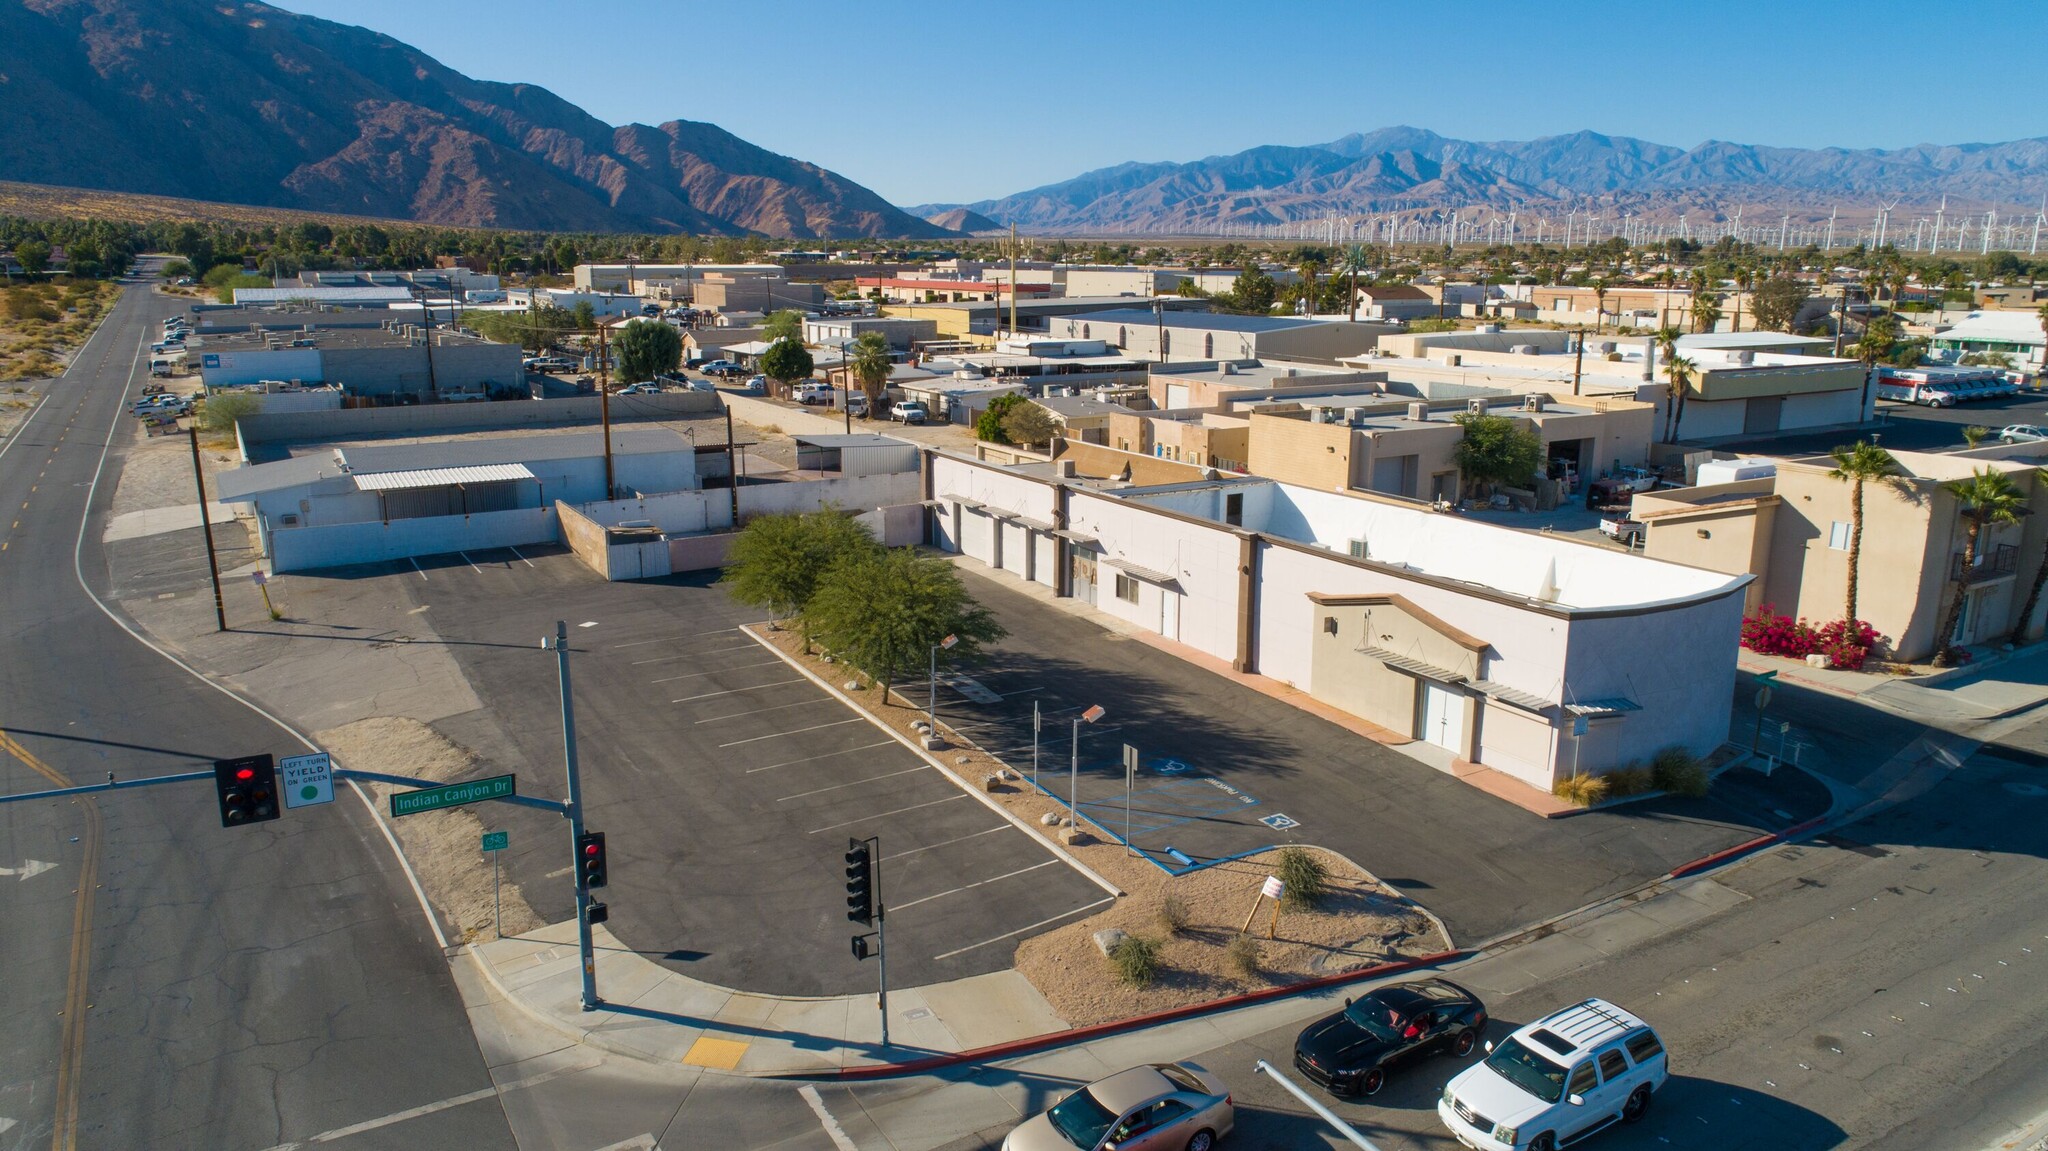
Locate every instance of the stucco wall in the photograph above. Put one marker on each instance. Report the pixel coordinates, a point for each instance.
(435, 419)
(1678, 665)
(299, 549)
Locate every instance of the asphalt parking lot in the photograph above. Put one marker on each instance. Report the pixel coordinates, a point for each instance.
(728, 785)
(1227, 771)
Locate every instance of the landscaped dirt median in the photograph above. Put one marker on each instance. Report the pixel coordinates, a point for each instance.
(1359, 923)
(442, 846)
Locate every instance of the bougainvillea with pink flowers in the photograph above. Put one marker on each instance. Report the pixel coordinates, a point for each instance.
(1846, 644)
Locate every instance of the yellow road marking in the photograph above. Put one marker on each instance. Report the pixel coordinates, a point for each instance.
(71, 1048)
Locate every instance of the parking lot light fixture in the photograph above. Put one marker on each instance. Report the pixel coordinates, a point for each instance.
(1074, 766)
(931, 705)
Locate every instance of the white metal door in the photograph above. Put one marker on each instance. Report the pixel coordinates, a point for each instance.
(1176, 395)
(1443, 716)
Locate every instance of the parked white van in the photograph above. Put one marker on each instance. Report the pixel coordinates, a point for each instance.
(1557, 1081)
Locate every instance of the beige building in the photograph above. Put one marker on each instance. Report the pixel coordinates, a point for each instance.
(1204, 439)
(1409, 448)
(1792, 532)
(1214, 383)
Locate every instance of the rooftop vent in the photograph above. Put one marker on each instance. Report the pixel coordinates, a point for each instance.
(1419, 412)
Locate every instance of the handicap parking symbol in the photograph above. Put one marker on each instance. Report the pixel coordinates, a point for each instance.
(1280, 822)
(1169, 767)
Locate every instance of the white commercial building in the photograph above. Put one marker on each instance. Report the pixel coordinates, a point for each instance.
(1533, 655)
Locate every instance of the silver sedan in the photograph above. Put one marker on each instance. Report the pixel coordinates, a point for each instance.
(1160, 1107)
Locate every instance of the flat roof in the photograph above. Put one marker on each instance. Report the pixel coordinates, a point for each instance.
(366, 337)
(326, 294)
(440, 477)
(1214, 321)
(311, 462)
(855, 440)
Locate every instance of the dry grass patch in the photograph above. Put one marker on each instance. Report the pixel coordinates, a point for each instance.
(1191, 921)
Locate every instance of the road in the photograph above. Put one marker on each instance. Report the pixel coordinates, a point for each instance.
(170, 983)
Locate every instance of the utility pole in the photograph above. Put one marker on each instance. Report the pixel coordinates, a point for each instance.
(220, 611)
(575, 813)
(1842, 321)
(1578, 359)
(427, 317)
(732, 469)
(604, 410)
(1013, 279)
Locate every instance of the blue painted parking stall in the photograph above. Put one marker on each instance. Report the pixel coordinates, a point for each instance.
(1176, 815)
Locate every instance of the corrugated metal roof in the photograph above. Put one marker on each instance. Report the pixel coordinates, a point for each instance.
(1600, 707)
(1074, 537)
(963, 501)
(1414, 666)
(440, 477)
(352, 294)
(1026, 521)
(1513, 696)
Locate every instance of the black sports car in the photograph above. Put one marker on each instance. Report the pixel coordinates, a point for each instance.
(1351, 1052)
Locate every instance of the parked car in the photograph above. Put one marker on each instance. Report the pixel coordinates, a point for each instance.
(1176, 1106)
(857, 404)
(2021, 434)
(755, 386)
(1352, 1051)
(908, 411)
(1623, 530)
(723, 368)
(1557, 1081)
(814, 392)
(641, 390)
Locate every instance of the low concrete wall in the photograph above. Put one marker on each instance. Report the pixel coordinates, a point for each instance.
(700, 552)
(430, 419)
(335, 545)
(585, 538)
(763, 413)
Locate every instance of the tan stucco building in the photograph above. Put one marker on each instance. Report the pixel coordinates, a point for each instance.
(1792, 532)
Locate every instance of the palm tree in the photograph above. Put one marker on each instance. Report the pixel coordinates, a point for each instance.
(1973, 434)
(1864, 463)
(870, 365)
(1351, 263)
(2019, 625)
(1706, 312)
(1599, 303)
(1987, 498)
(1311, 264)
(1681, 371)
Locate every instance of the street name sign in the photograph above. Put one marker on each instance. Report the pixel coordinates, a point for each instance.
(453, 795)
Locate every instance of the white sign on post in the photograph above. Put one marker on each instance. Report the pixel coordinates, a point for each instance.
(308, 779)
(1273, 888)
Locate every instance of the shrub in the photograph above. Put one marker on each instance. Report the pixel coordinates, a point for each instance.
(1172, 915)
(1584, 790)
(1242, 957)
(1307, 880)
(220, 413)
(1679, 772)
(1846, 644)
(1635, 779)
(1136, 960)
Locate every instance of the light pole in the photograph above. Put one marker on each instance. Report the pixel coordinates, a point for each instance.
(1074, 767)
(931, 708)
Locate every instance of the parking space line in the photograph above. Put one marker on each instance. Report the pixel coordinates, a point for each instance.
(715, 671)
(798, 731)
(1024, 930)
(470, 562)
(946, 842)
(972, 886)
(815, 758)
(515, 551)
(855, 783)
(886, 814)
(416, 567)
(688, 654)
(673, 638)
(736, 691)
(761, 710)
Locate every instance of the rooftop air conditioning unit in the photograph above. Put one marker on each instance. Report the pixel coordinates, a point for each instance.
(1419, 412)
(1745, 356)
(1524, 349)
(1476, 405)
(1489, 329)
(1532, 403)
(1229, 369)
(1604, 346)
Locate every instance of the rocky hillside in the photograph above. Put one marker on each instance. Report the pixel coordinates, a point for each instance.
(249, 104)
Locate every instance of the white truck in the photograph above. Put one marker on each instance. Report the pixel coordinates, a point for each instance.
(1556, 1081)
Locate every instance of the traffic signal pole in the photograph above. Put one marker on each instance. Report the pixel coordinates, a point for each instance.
(575, 813)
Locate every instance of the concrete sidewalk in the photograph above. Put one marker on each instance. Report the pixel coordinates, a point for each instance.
(658, 1015)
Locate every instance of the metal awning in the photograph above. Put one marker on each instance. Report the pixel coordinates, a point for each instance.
(1164, 579)
(1073, 537)
(440, 477)
(964, 502)
(1021, 520)
(1598, 708)
(1513, 696)
(1413, 666)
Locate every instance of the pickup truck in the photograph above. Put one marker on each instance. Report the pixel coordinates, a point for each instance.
(1623, 530)
(814, 392)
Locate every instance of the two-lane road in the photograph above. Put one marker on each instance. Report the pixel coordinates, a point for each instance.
(170, 983)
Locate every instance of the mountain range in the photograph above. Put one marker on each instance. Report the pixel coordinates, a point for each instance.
(245, 103)
(1409, 170)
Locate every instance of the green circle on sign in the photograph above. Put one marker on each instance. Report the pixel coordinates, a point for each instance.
(308, 792)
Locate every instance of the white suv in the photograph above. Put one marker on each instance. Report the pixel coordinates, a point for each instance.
(1556, 1081)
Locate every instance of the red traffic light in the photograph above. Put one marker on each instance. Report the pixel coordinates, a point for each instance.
(590, 849)
(245, 774)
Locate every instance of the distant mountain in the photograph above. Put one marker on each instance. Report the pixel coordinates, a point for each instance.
(245, 103)
(1408, 170)
(963, 220)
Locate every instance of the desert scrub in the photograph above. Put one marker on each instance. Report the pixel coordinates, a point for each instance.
(1679, 772)
(1136, 960)
(1305, 878)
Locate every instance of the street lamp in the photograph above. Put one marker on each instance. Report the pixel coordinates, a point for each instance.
(931, 710)
(1074, 766)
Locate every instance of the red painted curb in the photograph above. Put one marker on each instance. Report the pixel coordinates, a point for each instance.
(1762, 841)
(1053, 1039)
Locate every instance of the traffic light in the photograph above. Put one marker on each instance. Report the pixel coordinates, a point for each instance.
(860, 883)
(247, 789)
(861, 950)
(590, 864)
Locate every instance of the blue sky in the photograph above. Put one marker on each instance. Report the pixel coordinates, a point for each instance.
(952, 102)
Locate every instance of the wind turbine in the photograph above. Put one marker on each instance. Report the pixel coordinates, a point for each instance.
(1830, 245)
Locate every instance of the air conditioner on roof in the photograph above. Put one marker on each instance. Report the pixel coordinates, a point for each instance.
(1419, 412)
(1476, 405)
(1532, 403)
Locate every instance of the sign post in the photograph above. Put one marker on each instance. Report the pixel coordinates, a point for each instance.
(1271, 889)
(263, 585)
(1130, 783)
(308, 779)
(495, 842)
(1034, 742)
